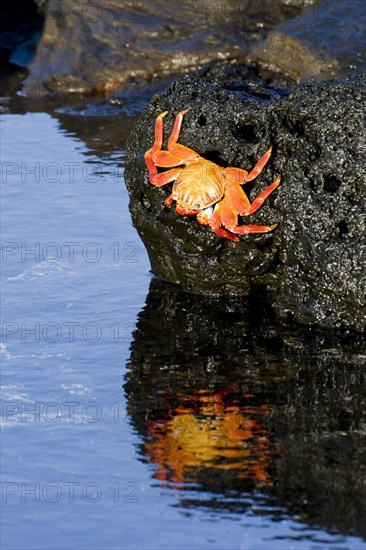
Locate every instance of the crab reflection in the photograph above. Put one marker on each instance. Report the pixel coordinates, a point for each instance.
(210, 431)
(248, 412)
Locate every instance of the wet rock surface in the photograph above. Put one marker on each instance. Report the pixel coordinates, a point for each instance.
(326, 41)
(313, 266)
(109, 48)
(105, 46)
(287, 400)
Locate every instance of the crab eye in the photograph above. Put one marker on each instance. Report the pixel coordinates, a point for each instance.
(197, 206)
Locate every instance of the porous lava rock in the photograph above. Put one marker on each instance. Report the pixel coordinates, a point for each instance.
(313, 265)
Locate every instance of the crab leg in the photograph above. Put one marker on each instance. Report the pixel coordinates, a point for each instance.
(259, 166)
(251, 228)
(258, 201)
(224, 214)
(153, 171)
(239, 199)
(238, 175)
(158, 133)
(230, 220)
(214, 220)
(169, 200)
(157, 145)
(176, 154)
(165, 177)
(176, 129)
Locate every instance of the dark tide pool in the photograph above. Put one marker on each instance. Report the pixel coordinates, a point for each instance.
(138, 417)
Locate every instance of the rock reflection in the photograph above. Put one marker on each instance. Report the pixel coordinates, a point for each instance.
(246, 412)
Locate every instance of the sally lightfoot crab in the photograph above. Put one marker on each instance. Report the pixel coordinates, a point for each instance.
(202, 187)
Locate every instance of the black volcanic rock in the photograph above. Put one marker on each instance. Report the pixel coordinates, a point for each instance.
(313, 265)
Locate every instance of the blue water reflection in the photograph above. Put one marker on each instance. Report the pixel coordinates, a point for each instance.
(75, 276)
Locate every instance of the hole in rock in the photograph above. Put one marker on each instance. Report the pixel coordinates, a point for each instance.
(343, 227)
(331, 183)
(202, 120)
(247, 132)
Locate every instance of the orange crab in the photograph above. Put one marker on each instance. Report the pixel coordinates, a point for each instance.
(202, 187)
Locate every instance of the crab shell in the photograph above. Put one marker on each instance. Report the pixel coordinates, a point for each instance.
(197, 193)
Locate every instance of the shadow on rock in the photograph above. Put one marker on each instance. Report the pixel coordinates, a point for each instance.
(235, 410)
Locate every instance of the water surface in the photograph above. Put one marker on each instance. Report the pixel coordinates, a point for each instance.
(211, 431)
